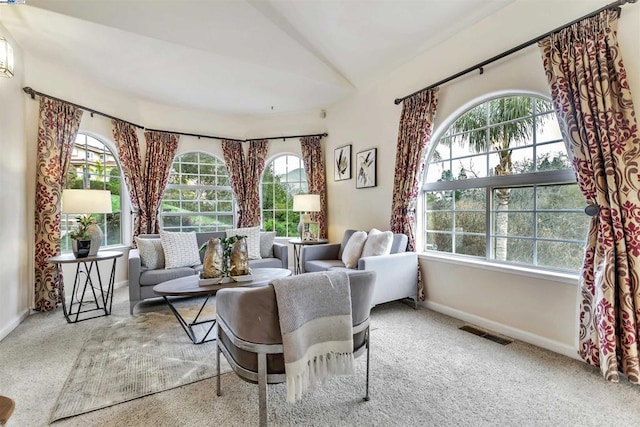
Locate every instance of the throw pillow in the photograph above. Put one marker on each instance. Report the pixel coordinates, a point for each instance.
(353, 249)
(180, 249)
(378, 243)
(151, 253)
(253, 239)
(266, 243)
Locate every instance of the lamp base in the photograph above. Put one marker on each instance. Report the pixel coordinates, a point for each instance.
(96, 238)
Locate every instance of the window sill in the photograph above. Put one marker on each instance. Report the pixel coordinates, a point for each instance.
(554, 276)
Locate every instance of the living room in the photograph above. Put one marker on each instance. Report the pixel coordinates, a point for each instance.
(534, 306)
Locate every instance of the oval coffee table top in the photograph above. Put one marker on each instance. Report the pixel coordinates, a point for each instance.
(189, 285)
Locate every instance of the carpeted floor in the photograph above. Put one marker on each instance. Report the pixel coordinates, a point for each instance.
(425, 371)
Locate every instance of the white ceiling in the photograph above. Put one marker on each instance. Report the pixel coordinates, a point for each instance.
(237, 56)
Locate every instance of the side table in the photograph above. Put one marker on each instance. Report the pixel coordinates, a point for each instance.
(102, 297)
(297, 251)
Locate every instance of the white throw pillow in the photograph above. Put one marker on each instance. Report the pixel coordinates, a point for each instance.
(266, 243)
(253, 239)
(353, 249)
(378, 243)
(151, 253)
(180, 249)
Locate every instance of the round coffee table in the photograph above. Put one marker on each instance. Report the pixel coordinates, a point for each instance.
(189, 286)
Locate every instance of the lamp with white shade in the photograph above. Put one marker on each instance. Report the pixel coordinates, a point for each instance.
(305, 203)
(87, 202)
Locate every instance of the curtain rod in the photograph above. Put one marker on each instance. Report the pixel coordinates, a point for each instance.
(614, 5)
(31, 92)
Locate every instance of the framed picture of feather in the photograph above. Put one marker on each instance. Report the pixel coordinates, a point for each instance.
(342, 163)
(366, 168)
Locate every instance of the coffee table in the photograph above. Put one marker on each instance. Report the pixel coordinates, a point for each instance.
(189, 287)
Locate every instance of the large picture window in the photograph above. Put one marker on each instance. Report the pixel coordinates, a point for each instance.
(282, 178)
(198, 196)
(94, 166)
(499, 186)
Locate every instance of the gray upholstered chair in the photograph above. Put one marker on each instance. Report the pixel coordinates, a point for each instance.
(249, 332)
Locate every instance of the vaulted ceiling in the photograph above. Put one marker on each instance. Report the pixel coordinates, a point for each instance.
(253, 57)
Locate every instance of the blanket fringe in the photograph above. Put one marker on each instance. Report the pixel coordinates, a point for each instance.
(317, 371)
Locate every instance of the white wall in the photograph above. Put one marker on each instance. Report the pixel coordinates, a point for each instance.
(532, 307)
(14, 220)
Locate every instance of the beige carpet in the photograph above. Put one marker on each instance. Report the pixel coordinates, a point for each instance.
(133, 357)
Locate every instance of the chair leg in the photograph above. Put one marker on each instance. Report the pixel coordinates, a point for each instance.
(368, 344)
(218, 391)
(262, 388)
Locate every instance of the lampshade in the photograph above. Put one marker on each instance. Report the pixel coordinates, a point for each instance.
(306, 203)
(6, 58)
(86, 201)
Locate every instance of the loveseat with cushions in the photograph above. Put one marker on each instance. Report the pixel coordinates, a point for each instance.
(142, 278)
(396, 270)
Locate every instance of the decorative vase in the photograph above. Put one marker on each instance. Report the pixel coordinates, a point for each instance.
(81, 248)
(213, 260)
(240, 258)
(96, 238)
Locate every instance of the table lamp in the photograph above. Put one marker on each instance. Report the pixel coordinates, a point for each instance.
(87, 202)
(305, 203)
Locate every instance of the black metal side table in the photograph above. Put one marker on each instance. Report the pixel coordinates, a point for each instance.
(99, 298)
(297, 251)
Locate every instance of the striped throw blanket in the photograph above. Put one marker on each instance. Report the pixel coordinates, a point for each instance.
(316, 326)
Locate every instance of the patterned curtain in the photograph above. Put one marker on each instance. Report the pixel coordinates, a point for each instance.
(59, 124)
(128, 147)
(416, 122)
(161, 149)
(255, 166)
(592, 98)
(314, 167)
(235, 161)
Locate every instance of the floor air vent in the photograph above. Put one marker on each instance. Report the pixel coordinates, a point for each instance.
(483, 334)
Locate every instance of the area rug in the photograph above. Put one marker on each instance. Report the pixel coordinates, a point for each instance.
(133, 357)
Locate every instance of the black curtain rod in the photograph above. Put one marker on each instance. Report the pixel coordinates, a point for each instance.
(31, 92)
(614, 5)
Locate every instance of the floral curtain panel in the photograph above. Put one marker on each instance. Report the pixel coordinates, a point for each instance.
(57, 130)
(128, 147)
(161, 149)
(414, 134)
(256, 159)
(314, 167)
(592, 98)
(235, 161)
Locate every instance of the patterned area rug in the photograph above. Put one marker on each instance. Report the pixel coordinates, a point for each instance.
(134, 357)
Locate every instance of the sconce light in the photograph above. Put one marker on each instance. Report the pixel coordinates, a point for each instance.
(6, 58)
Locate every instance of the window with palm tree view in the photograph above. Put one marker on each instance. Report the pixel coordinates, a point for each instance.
(499, 185)
(94, 166)
(198, 195)
(282, 178)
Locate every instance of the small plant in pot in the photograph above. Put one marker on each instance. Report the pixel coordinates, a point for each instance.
(80, 238)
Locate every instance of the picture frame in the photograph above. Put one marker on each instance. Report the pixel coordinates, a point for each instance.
(310, 231)
(366, 165)
(342, 163)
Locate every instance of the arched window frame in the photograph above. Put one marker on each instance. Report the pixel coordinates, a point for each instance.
(222, 209)
(272, 216)
(536, 181)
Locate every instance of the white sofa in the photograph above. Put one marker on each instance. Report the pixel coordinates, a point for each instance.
(396, 273)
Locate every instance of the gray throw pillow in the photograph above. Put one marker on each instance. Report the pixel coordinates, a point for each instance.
(151, 253)
(266, 243)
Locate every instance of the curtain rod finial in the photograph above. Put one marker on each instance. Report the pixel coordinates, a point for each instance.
(397, 101)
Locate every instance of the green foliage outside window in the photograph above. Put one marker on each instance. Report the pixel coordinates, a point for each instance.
(278, 190)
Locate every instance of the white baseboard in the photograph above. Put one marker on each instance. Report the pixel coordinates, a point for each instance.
(508, 331)
(11, 326)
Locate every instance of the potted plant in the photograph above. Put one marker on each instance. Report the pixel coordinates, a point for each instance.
(80, 237)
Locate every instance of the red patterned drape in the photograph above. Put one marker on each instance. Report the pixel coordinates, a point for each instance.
(59, 123)
(128, 147)
(314, 167)
(235, 161)
(591, 96)
(255, 166)
(161, 149)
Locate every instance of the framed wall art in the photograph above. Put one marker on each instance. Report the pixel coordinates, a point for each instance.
(342, 163)
(366, 168)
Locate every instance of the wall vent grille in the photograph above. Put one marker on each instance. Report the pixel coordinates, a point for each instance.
(487, 335)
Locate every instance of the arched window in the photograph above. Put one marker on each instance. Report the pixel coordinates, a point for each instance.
(94, 166)
(198, 196)
(283, 178)
(499, 186)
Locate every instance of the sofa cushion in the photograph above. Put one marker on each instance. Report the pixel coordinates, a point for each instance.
(353, 249)
(322, 265)
(265, 263)
(378, 243)
(180, 249)
(153, 277)
(253, 239)
(151, 252)
(266, 243)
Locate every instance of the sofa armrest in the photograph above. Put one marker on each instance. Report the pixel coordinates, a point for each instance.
(135, 267)
(281, 252)
(325, 251)
(396, 275)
